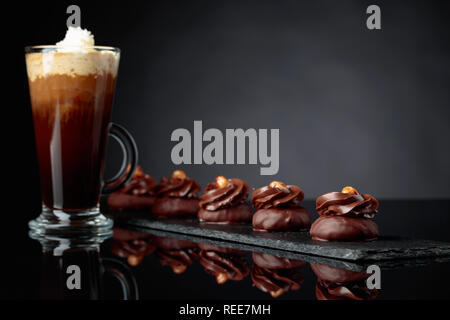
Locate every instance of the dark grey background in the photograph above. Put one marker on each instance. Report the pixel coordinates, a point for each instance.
(354, 107)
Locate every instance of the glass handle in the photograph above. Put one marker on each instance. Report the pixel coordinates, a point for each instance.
(122, 273)
(130, 159)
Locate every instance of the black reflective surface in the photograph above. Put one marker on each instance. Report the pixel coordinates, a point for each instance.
(159, 265)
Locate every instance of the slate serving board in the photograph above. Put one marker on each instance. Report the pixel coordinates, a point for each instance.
(385, 248)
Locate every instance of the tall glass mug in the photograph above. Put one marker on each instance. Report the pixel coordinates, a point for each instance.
(71, 97)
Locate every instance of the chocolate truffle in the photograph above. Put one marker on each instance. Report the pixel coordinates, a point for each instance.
(341, 284)
(177, 196)
(276, 275)
(138, 194)
(278, 208)
(345, 215)
(224, 264)
(224, 201)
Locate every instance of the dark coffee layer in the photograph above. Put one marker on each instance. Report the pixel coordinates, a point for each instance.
(71, 123)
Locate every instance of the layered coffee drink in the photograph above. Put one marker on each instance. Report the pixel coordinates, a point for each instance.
(71, 88)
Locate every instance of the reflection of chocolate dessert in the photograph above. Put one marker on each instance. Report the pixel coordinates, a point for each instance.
(345, 215)
(224, 264)
(341, 284)
(133, 246)
(177, 254)
(273, 262)
(278, 208)
(136, 195)
(177, 196)
(276, 275)
(224, 202)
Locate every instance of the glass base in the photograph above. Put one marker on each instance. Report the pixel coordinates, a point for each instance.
(80, 224)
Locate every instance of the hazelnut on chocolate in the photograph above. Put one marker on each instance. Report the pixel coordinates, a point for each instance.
(349, 190)
(221, 182)
(179, 174)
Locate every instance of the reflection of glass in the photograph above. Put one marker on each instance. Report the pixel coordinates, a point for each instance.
(341, 284)
(276, 275)
(72, 269)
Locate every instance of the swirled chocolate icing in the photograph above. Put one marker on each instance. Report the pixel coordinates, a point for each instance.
(177, 188)
(345, 204)
(234, 193)
(269, 197)
(140, 184)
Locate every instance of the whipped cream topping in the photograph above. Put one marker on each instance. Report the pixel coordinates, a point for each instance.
(77, 38)
(74, 55)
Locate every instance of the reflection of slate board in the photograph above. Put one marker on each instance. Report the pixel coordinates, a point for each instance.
(357, 266)
(383, 249)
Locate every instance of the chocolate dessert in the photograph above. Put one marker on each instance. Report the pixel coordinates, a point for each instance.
(341, 284)
(138, 194)
(279, 208)
(224, 201)
(345, 215)
(223, 263)
(177, 196)
(177, 254)
(276, 275)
